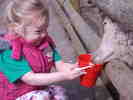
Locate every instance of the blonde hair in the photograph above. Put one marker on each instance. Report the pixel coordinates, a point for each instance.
(19, 9)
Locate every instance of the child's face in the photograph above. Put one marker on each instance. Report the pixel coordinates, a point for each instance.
(34, 28)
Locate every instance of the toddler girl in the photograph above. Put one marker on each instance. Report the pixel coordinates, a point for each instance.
(25, 66)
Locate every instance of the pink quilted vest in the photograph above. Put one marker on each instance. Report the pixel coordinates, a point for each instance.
(38, 58)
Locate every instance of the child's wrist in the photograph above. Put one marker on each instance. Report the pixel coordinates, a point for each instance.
(64, 76)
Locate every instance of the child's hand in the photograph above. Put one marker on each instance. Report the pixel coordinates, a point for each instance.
(68, 66)
(71, 71)
(61, 66)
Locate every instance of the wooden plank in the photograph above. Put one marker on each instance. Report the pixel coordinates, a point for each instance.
(69, 28)
(86, 33)
(62, 41)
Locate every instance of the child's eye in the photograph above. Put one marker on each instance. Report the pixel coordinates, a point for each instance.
(38, 31)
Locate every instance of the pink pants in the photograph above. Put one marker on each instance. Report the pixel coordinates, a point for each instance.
(52, 93)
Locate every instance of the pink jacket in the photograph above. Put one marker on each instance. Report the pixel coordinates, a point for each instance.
(38, 60)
